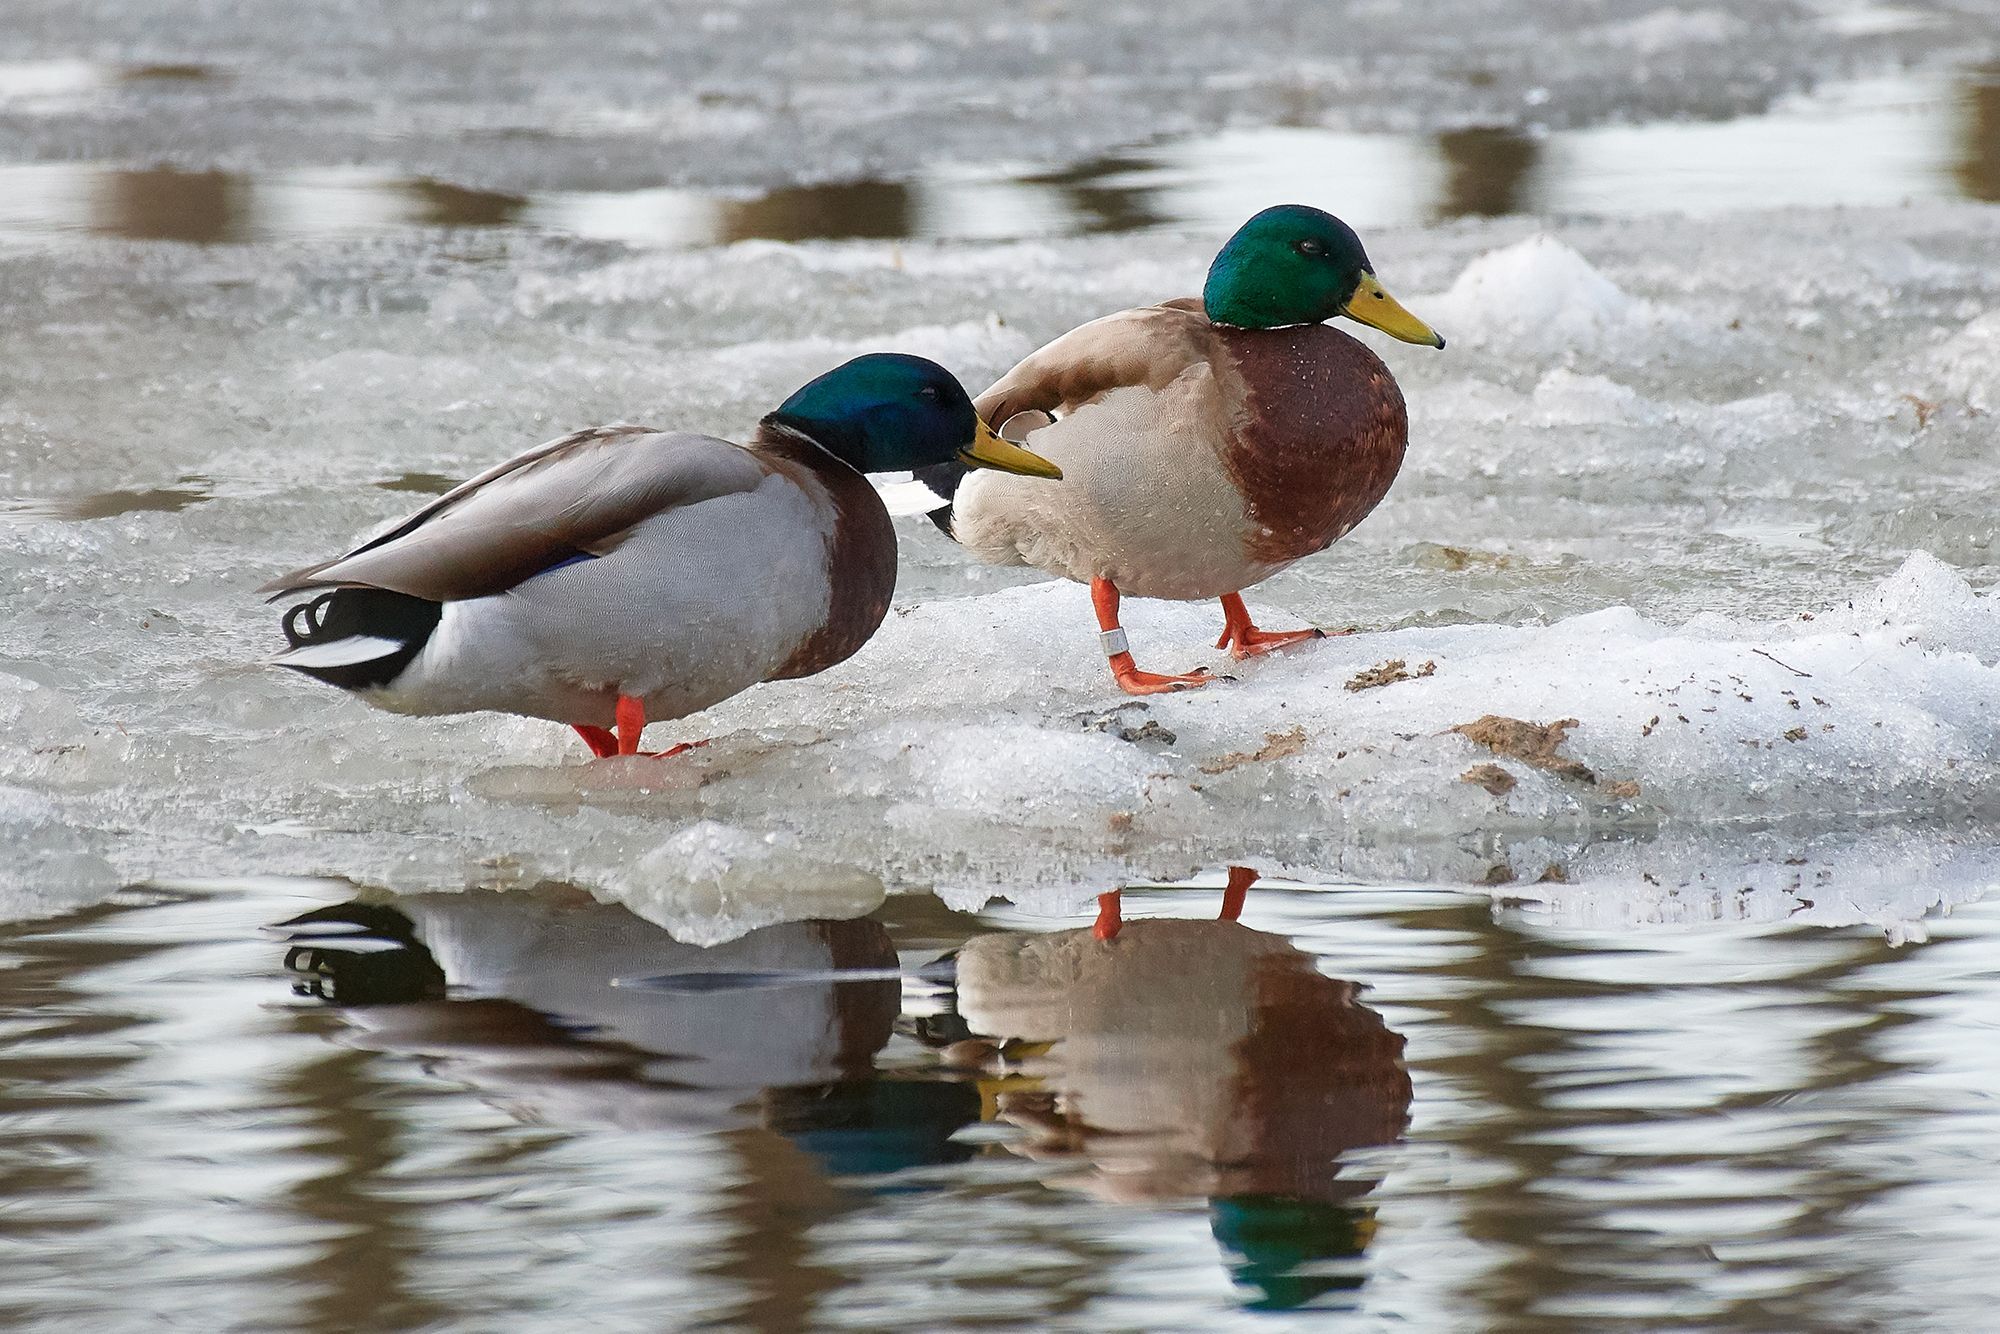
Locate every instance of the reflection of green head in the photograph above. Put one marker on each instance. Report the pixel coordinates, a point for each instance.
(1282, 1246)
(874, 1127)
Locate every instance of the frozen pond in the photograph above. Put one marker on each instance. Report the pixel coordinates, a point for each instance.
(1646, 824)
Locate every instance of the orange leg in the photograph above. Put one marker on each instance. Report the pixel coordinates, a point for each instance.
(1244, 640)
(1108, 918)
(1240, 880)
(1104, 597)
(631, 718)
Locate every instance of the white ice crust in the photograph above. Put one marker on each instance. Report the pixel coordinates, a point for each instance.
(1719, 494)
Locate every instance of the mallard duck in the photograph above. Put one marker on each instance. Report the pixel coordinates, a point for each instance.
(1205, 445)
(622, 575)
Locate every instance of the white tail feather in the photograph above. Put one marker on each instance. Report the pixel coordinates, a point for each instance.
(340, 652)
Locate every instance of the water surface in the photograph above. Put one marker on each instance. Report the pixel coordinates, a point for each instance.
(1884, 141)
(1357, 1108)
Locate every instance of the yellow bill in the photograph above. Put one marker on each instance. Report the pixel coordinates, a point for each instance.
(1373, 306)
(988, 450)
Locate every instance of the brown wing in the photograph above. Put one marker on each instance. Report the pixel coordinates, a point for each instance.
(578, 495)
(1151, 346)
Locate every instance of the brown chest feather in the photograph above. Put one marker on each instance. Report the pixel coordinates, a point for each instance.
(1320, 438)
(860, 562)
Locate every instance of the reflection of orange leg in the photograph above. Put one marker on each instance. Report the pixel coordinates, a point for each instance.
(602, 741)
(1104, 597)
(1244, 640)
(1108, 921)
(1240, 880)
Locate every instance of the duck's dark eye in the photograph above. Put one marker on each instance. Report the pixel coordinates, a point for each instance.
(928, 391)
(1310, 248)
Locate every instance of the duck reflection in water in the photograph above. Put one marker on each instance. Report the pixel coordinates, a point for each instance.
(1179, 1059)
(1142, 1062)
(775, 1030)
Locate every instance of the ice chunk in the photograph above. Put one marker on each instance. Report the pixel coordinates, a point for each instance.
(1565, 398)
(50, 864)
(711, 882)
(1968, 365)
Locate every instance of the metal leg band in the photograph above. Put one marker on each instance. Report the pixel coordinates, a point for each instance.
(1114, 642)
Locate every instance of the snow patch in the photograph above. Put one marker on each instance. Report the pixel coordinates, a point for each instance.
(1541, 293)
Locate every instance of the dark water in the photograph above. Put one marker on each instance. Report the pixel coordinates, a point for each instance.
(1885, 141)
(1355, 1109)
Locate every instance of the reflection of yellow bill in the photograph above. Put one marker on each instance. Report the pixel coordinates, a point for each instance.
(1373, 306)
(993, 1086)
(988, 450)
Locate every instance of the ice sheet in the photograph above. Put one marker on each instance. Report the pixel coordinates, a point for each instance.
(1651, 451)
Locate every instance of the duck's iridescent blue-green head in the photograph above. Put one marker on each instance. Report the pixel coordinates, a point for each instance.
(888, 412)
(1297, 265)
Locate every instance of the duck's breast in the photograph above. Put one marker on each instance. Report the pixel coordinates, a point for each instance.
(857, 567)
(1318, 439)
(1144, 499)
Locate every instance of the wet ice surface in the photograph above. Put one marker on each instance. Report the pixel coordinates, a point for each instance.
(510, 95)
(1364, 1108)
(1715, 492)
(1912, 136)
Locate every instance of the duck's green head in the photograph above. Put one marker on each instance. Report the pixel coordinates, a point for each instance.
(887, 412)
(1296, 265)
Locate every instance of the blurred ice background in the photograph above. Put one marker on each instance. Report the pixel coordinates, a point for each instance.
(1707, 467)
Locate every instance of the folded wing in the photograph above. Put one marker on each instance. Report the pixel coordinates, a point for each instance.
(572, 498)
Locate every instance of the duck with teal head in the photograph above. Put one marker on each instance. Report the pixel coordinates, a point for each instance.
(622, 574)
(1205, 444)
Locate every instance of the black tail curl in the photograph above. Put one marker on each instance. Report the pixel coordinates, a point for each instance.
(314, 615)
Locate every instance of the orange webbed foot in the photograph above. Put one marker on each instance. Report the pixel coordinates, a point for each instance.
(672, 751)
(1250, 642)
(1244, 640)
(1135, 682)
